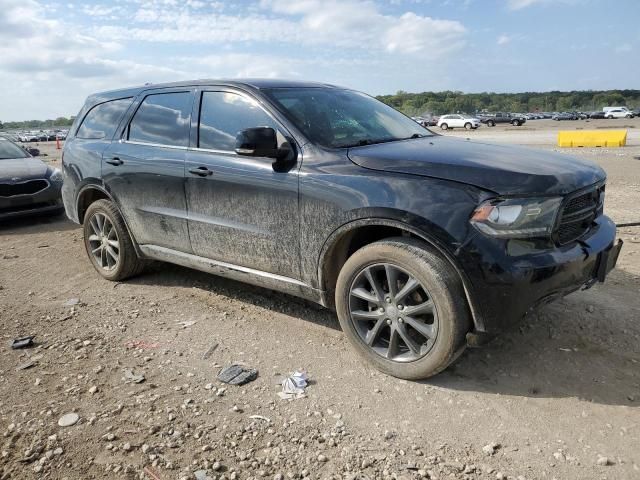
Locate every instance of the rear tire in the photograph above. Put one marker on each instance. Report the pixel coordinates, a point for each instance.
(379, 321)
(108, 244)
(444, 126)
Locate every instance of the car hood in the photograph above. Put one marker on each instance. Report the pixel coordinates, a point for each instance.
(22, 169)
(505, 170)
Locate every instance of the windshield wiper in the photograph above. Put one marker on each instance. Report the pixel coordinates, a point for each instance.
(368, 141)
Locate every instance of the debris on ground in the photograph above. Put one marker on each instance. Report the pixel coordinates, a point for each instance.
(201, 475)
(209, 351)
(68, 419)
(260, 417)
(491, 448)
(293, 386)
(151, 473)
(187, 324)
(237, 374)
(141, 344)
(135, 378)
(72, 302)
(22, 342)
(25, 365)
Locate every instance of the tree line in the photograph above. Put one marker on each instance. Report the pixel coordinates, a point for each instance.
(37, 124)
(439, 103)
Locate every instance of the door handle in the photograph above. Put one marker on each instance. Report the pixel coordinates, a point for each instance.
(201, 171)
(115, 161)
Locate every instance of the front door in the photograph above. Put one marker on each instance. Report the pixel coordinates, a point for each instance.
(241, 211)
(144, 171)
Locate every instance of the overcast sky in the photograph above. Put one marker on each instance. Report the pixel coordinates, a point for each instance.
(54, 53)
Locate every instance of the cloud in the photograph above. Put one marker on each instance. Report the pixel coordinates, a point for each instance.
(520, 4)
(31, 43)
(623, 48)
(360, 24)
(47, 67)
(355, 24)
(102, 11)
(503, 39)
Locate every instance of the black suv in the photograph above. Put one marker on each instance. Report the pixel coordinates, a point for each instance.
(421, 243)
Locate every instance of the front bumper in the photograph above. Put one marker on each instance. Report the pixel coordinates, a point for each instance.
(509, 278)
(45, 201)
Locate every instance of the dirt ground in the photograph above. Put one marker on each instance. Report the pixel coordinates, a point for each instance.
(557, 397)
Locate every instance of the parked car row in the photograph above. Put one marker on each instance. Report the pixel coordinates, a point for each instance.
(462, 120)
(39, 136)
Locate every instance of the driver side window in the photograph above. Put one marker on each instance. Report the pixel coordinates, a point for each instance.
(223, 115)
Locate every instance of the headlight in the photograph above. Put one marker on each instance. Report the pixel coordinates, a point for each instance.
(56, 176)
(517, 217)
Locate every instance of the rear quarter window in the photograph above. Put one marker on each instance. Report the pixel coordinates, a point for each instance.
(103, 119)
(162, 119)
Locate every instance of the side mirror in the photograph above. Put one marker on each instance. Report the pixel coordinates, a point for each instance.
(33, 151)
(257, 142)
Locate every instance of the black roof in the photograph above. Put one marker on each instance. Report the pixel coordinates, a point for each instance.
(252, 83)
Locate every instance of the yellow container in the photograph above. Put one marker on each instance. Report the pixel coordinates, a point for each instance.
(592, 138)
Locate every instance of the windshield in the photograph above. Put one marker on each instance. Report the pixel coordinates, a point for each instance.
(11, 150)
(337, 118)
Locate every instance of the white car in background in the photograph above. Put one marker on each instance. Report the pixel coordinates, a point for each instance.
(618, 113)
(458, 121)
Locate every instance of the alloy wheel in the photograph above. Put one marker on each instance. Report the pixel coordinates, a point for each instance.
(103, 242)
(393, 313)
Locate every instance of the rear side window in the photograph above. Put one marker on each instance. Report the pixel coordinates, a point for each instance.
(102, 120)
(162, 119)
(223, 115)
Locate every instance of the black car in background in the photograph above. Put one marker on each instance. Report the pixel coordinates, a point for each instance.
(421, 243)
(564, 116)
(27, 185)
(492, 119)
(597, 114)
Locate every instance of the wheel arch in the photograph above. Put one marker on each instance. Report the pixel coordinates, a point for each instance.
(87, 195)
(90, 193)
(348, 238)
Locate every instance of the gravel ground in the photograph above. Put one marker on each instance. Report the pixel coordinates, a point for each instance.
(558, 396)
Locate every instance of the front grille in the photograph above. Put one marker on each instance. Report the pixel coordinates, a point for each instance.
(24, 188)
(578, 213)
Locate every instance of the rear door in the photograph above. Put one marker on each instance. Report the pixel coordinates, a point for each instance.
(241, 211)
(144, 170)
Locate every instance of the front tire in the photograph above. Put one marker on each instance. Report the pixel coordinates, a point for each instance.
(468, 126)
(515, 123)
(491, 123)
(108, 244)
(403, 308)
